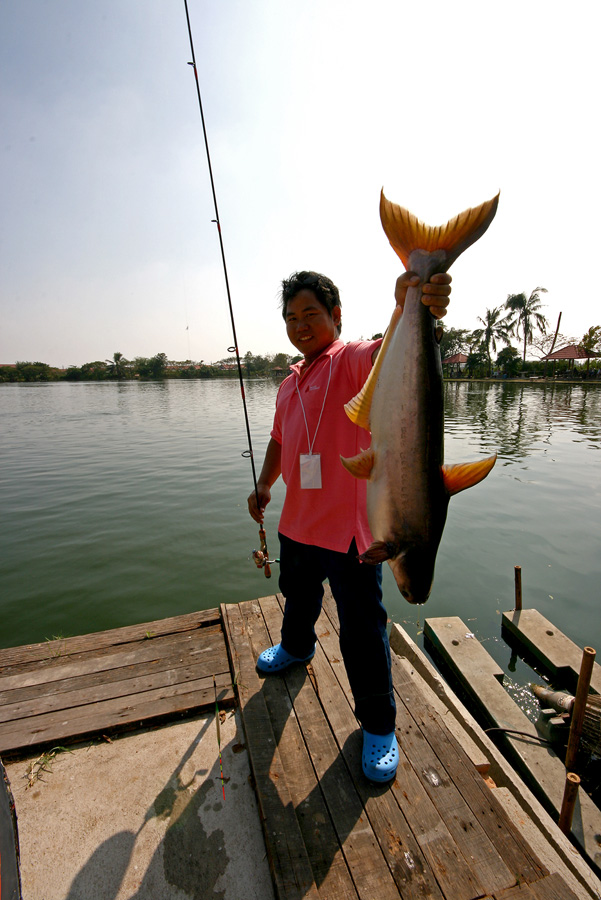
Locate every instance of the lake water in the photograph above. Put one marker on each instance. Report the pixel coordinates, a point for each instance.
(126, 502)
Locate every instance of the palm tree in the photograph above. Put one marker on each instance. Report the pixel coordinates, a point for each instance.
(116, 365)
(527, 315)
(495, 329)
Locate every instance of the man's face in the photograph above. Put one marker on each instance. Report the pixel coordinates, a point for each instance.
(309, 325)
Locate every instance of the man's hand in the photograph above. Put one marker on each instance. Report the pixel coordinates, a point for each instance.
(257, 510)
(435, 293)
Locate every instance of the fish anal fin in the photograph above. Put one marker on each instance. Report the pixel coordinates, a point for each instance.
(465, 475)
(406, 233)
(358, 409)
(359, 466)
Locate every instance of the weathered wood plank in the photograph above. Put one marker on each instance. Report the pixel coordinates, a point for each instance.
(542, 770)
(560, 656)
(113, 715)
(113, 657)
(470, 837)
(288, 858)
(49, 649)
(287, 697)
(415, 875)
(553, 887)
(489, 813)
(85, 691)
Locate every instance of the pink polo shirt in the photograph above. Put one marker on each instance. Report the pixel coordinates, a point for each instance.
(330, 516)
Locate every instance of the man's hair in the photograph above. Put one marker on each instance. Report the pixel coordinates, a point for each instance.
(324, 289)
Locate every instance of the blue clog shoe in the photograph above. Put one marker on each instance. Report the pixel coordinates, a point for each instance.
(276, 659)
(380, 756)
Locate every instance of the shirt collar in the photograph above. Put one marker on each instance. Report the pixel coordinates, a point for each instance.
(301, 368)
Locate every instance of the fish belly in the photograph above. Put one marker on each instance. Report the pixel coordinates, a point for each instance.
(407, 431)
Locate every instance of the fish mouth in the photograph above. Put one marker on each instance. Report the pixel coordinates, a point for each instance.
(413, 571)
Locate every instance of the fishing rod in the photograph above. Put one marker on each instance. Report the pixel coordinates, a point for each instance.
(261, 556)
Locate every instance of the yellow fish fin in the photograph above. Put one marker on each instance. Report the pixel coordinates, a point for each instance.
(406, 233)
(361, 465)
(359, 407)
(464, 475)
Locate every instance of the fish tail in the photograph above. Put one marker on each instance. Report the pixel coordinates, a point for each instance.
(406, 233)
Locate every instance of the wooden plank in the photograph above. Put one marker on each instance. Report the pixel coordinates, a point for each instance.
(362, 851)
(94, 689)
(436, 694)
(50, 649)
(284, 697)
(464, 825)
(543, 771)
(490, 813)
(288, 858)
(116, 714)
(414, 873)
(551, 887)
(560, 656)
(105, 659)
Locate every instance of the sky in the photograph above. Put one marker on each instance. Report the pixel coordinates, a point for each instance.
(107, 242)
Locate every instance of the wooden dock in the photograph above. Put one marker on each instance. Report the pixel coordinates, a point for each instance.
(61, 690)
(438, 831)
(481, 679)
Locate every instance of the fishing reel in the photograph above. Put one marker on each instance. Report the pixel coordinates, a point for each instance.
(261, 557)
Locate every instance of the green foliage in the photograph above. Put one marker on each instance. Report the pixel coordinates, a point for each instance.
(118, 367)
(477, 363)
(455, 340)
(526, 315)
(33, 371)
(496, 328)
(508, 361)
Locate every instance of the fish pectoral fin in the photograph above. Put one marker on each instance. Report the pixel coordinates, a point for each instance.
(360, 465)
(359, 408)
(378, 552)
(464, 475)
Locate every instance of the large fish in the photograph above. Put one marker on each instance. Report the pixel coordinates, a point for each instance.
(401, 403)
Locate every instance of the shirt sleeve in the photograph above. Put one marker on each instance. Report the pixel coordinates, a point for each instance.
(358, 359)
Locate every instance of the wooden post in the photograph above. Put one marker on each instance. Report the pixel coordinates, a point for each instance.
(569, 801)
(579, 708)
(518, 587)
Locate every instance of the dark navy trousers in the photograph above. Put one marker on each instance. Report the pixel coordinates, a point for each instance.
(357, 590)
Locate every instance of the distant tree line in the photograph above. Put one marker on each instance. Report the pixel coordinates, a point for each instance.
(520, 317)
(154, 368)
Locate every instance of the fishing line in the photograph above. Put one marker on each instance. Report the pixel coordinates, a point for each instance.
(261, 557)
(218, 727)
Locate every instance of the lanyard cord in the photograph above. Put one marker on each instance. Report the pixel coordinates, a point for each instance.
(310, 442)
(248, 454)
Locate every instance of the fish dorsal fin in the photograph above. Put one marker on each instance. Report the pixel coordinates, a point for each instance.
(359, 466)
(464, 475)
(406, 233)
(359, 407)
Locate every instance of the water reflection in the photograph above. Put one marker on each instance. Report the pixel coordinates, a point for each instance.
(512, 419)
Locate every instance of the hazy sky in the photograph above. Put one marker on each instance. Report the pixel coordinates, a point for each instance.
(107, 242)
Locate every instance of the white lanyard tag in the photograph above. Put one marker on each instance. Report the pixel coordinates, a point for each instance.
(310, 463)
(310, 470)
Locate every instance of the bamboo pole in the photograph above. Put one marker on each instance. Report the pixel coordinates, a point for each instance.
(568, 803)
(579, 708)
(518, 587)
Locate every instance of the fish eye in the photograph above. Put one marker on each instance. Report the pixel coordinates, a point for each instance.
(406, 594)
